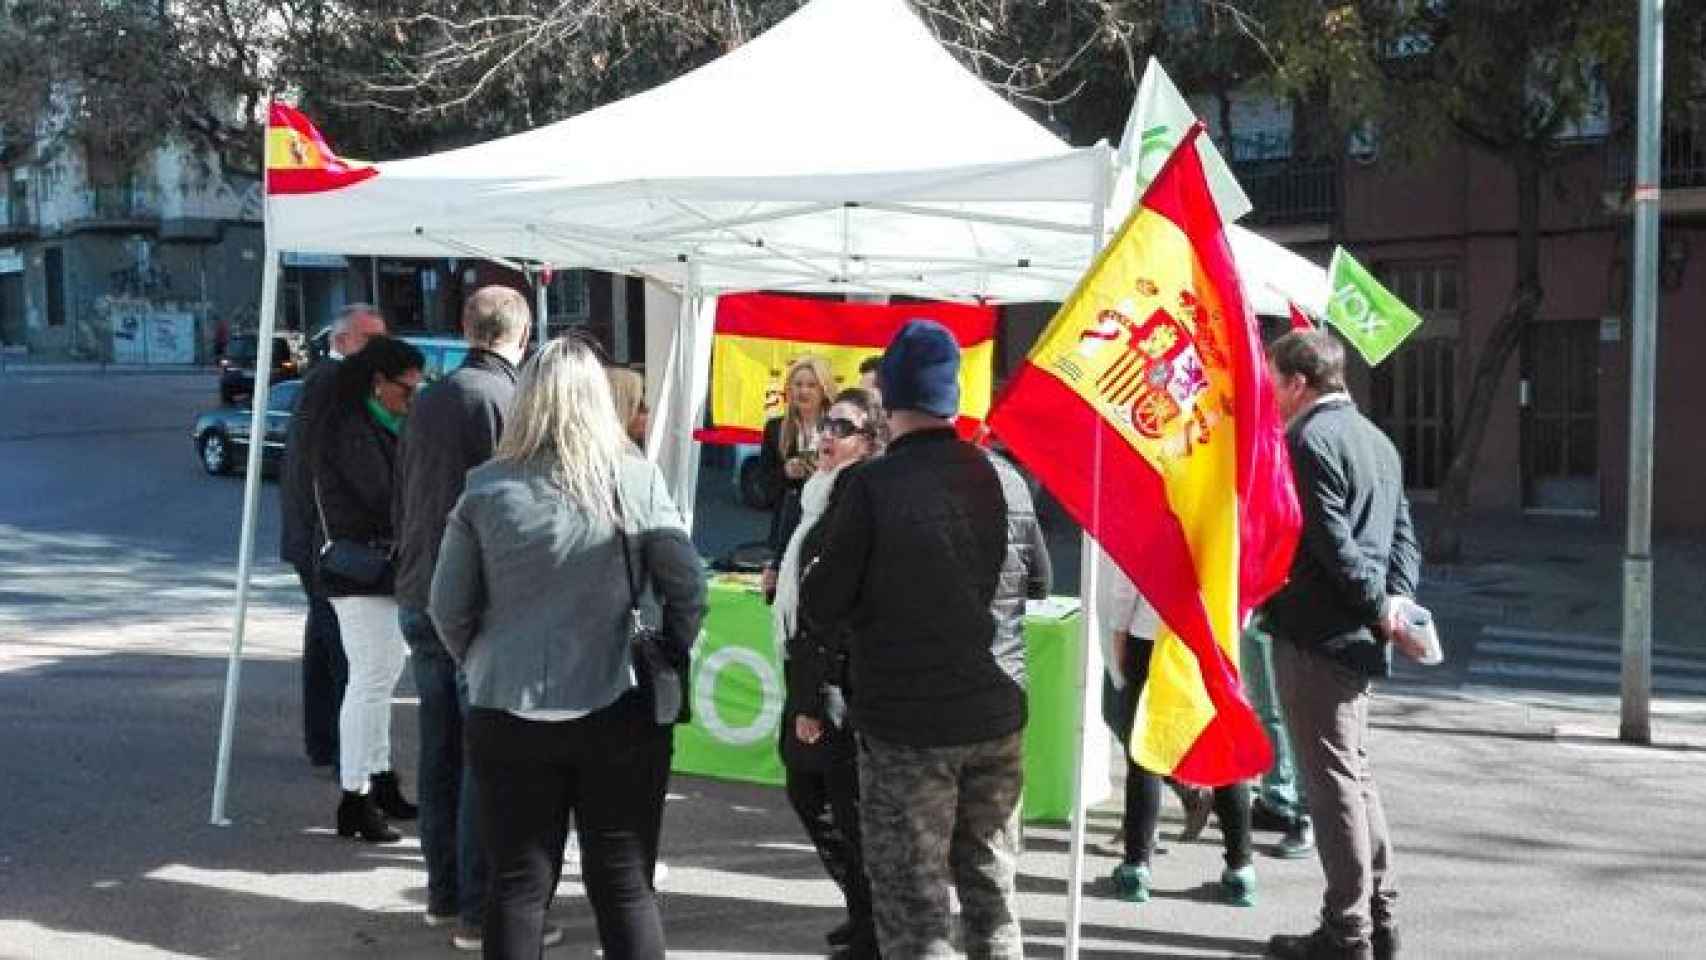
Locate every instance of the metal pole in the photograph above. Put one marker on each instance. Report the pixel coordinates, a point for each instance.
(1636, 725)
(1090, 632)
(246, 542)
(541, 308)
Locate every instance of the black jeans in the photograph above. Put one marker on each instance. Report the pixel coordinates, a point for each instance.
(1143, 788)
(325, 671)
(826, 799)
(607, 769)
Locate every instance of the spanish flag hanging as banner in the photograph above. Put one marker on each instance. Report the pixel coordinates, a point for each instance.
(298, 159)
(1146, 409)
(758, 335)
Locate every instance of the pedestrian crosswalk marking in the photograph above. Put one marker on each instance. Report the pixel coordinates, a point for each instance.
(1518, 656)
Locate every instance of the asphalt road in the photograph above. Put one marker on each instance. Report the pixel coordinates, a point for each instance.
(1521, 831)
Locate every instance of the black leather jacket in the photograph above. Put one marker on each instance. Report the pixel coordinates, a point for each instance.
(919, 564)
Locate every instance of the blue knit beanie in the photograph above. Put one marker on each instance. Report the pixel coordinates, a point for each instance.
(921, 370)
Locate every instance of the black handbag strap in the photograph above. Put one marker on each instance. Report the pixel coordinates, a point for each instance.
(627, 555)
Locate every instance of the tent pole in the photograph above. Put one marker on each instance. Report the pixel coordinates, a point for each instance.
(1090, 632)
(686, 465)
(246, 542)
(541, 308)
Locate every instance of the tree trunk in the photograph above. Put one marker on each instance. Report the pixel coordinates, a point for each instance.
(1445, 541)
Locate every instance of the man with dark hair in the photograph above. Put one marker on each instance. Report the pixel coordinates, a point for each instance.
(324, 668)
(868, 368)
(453, 427)
(1334, 621)
(930, 555)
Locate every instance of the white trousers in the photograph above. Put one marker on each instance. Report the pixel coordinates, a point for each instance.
(374, 645)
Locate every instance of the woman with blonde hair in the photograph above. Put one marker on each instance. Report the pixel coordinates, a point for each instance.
(628, 391)
(789, 454)
(523, 599)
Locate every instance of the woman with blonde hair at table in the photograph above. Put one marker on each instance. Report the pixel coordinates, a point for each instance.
(787, 457)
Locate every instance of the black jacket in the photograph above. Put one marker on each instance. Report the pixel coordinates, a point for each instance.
(354, 474)
(1358, 545)
(817, 662)
(914, 564)
(452, 428)
(1026, 572)
(785, 515)
(299, 529)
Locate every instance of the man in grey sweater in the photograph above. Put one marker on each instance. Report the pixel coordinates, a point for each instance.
(453, 427)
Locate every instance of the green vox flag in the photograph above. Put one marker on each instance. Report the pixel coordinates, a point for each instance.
(1370, 317)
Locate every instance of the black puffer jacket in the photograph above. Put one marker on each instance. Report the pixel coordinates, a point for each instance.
(916, 551)
(817, 662)
(1026, 573)
(355, 463)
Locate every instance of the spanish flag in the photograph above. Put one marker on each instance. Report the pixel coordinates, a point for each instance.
(1147, 411)
(757, 335)
(298, 159)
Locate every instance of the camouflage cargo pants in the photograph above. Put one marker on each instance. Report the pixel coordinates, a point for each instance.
(935, 814)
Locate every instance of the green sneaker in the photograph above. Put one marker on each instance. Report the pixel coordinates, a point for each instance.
(1239, 886)
(1131, 882)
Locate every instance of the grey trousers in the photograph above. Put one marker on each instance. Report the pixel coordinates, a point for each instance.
(1326, 710)
(935, 814)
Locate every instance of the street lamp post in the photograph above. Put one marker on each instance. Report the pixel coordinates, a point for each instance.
(1636, 721)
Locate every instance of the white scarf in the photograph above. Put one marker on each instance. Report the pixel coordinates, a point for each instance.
(784, 610)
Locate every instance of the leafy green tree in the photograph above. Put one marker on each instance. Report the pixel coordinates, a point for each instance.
(1514, 79)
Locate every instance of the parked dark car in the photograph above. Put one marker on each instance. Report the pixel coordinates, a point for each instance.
(222, 436)
(237, 367)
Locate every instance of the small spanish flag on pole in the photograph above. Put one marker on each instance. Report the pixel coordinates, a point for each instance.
(1147, 411)
(298, 159)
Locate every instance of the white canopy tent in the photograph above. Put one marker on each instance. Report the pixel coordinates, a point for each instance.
(842, 151)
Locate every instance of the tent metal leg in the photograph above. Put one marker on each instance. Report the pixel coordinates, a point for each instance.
(246, 543)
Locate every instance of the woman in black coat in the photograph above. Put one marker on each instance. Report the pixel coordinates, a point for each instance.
(353, 451)
(818, 749)
(790, 444)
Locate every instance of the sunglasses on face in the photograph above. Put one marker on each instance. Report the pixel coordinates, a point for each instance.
(840, 428)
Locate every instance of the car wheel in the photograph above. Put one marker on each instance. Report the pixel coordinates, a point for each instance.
(756, 489)
(215, 452)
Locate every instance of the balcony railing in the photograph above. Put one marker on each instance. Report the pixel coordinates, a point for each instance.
(120, 203)
(15, 215)
(1290, 191)
(1682, 160)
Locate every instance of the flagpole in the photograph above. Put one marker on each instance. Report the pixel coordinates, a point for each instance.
(1090, 632)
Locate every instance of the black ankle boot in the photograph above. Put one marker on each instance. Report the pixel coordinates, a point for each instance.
(388, 797)
(358, 817)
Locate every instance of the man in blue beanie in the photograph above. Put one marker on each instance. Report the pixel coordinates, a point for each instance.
(931, 553)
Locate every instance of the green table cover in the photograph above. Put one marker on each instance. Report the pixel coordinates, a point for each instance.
(737, 695)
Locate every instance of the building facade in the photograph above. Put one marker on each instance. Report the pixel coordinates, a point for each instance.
(1442, 234)
(143, 264)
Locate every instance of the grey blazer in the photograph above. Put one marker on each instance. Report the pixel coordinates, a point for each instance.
(530, 594)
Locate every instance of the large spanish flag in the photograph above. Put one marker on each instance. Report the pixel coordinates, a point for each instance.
(757, 335)
(298, 159)
(1146, 409)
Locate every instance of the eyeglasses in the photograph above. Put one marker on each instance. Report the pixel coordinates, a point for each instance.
(840, 428)
(407, 387)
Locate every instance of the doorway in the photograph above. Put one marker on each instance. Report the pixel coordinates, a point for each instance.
(1560, 418)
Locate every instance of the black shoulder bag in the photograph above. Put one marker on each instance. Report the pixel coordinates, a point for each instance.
(661, 673)
(352, 561)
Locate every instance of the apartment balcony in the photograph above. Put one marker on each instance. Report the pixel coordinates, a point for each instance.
(1295, 199)
(120, 207)
(1682, 172)
(17, 221)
